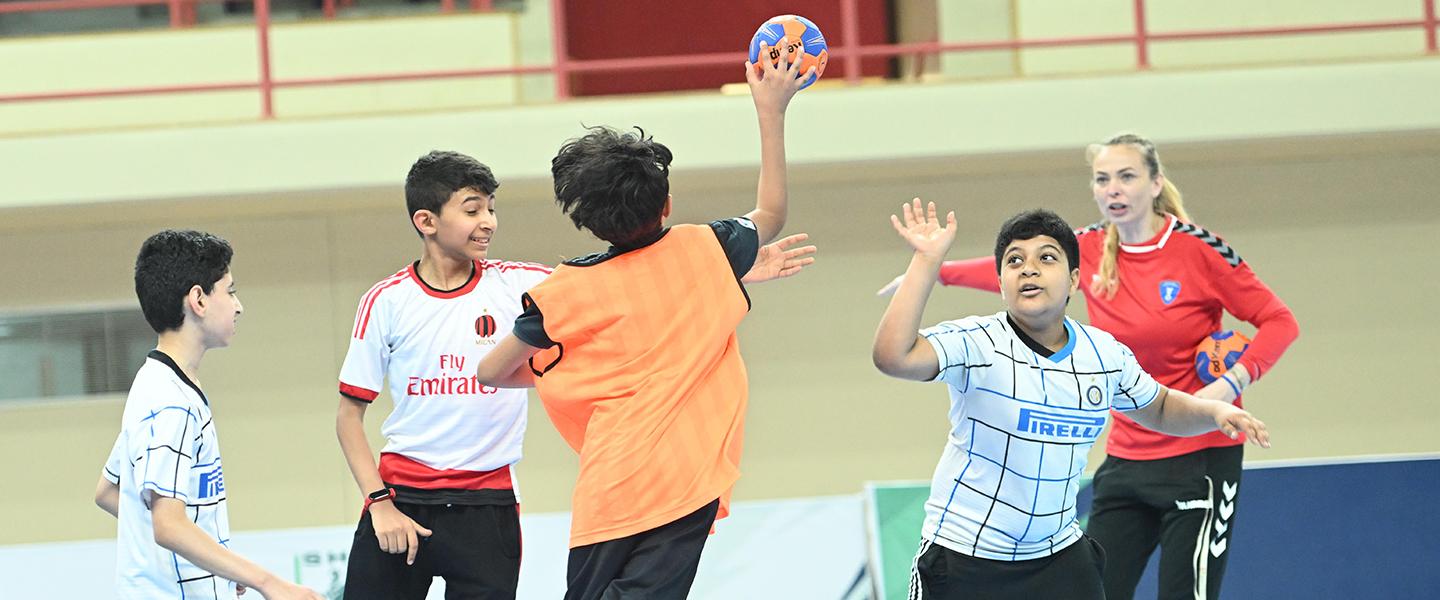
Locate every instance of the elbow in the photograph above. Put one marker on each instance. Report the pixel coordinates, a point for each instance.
(779, 217)
(107, 496)
(885, 362)
(166, 534)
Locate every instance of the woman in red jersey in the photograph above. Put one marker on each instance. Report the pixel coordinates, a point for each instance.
(1160, 284)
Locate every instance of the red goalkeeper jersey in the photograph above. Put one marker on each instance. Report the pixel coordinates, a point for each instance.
(1174, 289)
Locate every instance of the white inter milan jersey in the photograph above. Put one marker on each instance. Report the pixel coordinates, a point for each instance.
(427, 343)
(166, 448)
(1021, 425)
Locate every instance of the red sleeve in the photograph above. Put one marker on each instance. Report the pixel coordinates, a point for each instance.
(978, 273)
(1249, 299)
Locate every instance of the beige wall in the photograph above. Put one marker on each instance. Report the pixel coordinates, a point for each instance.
(1337, 226)
(229, 54)
(989, 20)
(713, 131)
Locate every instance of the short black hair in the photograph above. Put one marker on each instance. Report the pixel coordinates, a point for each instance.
(1035, 223)
(613, 184)
(437, 175)
(172, 262)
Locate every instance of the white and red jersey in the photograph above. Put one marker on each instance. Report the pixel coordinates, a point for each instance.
(447, 431)
(1174, 291)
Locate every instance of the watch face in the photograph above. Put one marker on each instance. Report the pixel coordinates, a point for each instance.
(380, 494)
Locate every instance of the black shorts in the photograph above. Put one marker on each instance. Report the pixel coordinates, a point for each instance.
(659, 563)
(1072, 573)
(1184, 504)
(475, 549)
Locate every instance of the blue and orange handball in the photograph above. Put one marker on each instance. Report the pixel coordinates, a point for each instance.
(796, 36)
(1218, 352)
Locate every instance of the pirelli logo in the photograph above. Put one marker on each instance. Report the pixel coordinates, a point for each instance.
(1059, 425)
(212, 483)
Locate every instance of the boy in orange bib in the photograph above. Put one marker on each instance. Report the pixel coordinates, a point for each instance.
(634, 354)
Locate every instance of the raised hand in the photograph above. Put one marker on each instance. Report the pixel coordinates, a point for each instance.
(774, 261)
(923, 231)
(773, 84)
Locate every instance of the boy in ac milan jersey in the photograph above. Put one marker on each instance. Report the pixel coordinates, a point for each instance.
(442, 501)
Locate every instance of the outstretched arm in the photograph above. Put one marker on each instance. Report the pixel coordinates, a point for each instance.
(899, 350)
(772, 88)
(1180, 414)
(977, 273)
(174, 531)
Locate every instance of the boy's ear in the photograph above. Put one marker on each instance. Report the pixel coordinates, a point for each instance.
(1074, 279)
(665, 212)
(424, 221)
(195, 301)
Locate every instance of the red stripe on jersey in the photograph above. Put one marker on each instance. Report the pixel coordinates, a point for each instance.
(397, 469)
(357, 392)
(525, 266)
(365, 322)
(362, 316)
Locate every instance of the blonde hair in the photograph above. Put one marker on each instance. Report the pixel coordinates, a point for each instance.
(1169, 202)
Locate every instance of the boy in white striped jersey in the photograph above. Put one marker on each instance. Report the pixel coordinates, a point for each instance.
(1030, 390)
(164, 479)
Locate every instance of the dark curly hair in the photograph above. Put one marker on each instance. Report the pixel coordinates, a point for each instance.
(613, 184)
(437, 175)
(172, 262)
(1035, 223)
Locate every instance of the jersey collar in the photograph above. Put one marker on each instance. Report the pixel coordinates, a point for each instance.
(1154, 243)
(1040, 349)
(476, 271)
(165, 359)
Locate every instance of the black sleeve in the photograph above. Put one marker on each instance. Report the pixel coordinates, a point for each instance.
(740, 241)
(530, 325)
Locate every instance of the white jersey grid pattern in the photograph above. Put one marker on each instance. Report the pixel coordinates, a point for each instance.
(1021, 425)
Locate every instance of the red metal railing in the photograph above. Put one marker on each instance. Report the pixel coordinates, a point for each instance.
(850, 50)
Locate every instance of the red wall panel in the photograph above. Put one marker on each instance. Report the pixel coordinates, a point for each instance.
(632, 28)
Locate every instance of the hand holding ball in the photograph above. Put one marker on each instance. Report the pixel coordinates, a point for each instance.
(795, 37)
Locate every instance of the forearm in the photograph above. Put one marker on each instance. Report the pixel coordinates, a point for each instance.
(520, 377)
(771, 198)
(977, 273)
(1249, 299)
(1274, 333)
(107, 497)
(350, 430)
(507, 365)
(1179, 414)
(1228, 387)
(175, 532)
(896, 338)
